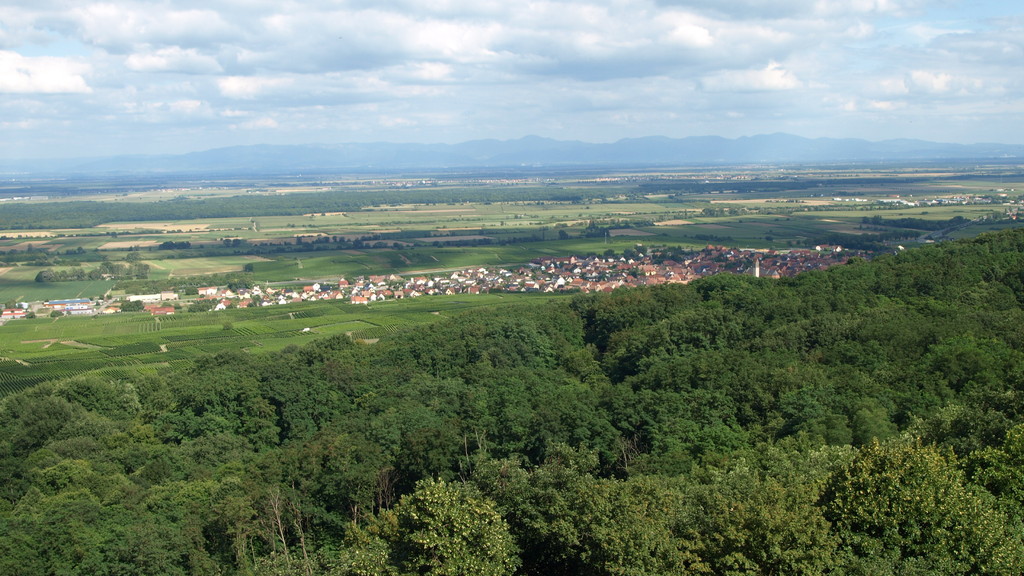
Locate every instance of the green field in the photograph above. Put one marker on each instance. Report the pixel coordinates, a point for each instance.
(36, 350)
(168, 268)
(18, 284)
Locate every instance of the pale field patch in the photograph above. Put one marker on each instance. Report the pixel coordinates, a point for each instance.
(204, 270)
(799, 201)
(190, 227)
(673, 223)
(449, 237)
(77, 344)
(35, 245)
(629, 232)
(30, 233)
(205, 266)
(129, 244)
(445, 211)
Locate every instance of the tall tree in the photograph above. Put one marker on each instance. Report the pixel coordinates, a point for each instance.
(902, 507)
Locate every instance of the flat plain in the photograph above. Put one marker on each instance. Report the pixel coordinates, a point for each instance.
(351, 226)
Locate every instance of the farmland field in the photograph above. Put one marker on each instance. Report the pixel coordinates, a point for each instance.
(38, 349)
(452, 223)
(18, 284)
(349, 227)
(199, 266)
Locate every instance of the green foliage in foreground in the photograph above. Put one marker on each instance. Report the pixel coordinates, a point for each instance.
(863, 420)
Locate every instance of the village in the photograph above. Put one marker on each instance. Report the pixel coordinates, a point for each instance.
(555, 274)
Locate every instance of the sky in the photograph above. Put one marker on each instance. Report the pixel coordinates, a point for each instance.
(82, 79)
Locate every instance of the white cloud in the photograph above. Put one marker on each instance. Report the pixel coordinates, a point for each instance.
(459, 69)
(769, 78)
(108, 25)
(249, 87)
(934, 82)
(688, 30)
(395, 121)
(258, 124)
(431, 71)
(885, 105)
(118, 26)
(946, 83)
(186, 106)
(892, 86)
(459, 42)
(173, 59)
(43, 75)
(925, 33)
(20, 125)
(881, 7)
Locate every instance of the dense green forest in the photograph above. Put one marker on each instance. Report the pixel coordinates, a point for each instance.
(867, 419)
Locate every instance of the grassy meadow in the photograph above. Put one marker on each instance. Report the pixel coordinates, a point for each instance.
(35, 350)
(17, 284)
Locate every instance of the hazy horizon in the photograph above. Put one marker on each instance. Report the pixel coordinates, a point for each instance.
(86, 156)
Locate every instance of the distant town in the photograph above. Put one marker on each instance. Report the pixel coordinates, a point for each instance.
(555, 274)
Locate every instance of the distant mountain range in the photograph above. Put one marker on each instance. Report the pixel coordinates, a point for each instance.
(530, 151)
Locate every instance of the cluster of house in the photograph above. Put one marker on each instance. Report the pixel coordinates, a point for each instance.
(606, 274)
(14, 313)
(577, 274)
(73, 307)
(958, 199)
(571, 273)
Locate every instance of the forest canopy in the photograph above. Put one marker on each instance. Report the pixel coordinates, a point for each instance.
(866, 419)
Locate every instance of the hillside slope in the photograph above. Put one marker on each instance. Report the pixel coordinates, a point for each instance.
(847, 421)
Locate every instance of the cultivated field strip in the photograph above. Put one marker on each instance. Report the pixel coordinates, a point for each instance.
(122, 345)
